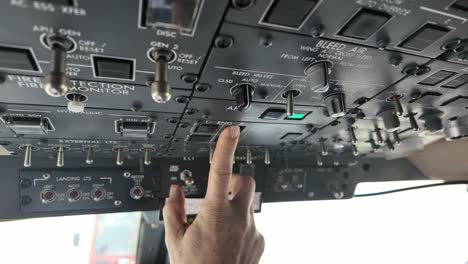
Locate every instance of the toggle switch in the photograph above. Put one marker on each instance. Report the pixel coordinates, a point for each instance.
(378, 134)
(390, 145)
(161, 90)
(60, 157)
(352, 134)
(355, 150)
(267, 157)
(120, 158)
(323, 148)
(412, 120)
(397, 105)
(290, 103)
(336, 161)
(374, 146)
(319, 159)
(90, 155)
(396, 138)
(27, 155)
(56, 83)
(148, 151)
(243, 94)
(390, 119)
(248, 155)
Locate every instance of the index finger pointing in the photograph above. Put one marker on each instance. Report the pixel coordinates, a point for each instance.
(221, 165)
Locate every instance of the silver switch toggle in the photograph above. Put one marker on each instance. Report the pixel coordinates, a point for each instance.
(90, 155)
(323, 148)
(56, 83)
(248, 158)
(120, 158)
(267, 157)
(378, 134)
(352, 135)
(148, 151)
(161, 90)
(27, 155)
(60, 157)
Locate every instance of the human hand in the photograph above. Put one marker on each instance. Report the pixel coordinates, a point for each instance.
(224, 230)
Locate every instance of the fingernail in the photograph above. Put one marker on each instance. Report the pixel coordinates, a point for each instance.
(172, 190)
(235, 130)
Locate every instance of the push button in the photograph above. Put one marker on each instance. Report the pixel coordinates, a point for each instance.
(273, 113)
(457, 82)
(427, 98)
(18, 59)
(113, 68)
(460, 100)
(424, 37)
(200, 138)
(289, 13)
(291, 136)
(365, 23)
(207, 128)
(437, 78)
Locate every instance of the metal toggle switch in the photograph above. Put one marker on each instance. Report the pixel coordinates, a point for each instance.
(267, 157)
(378, 134)
(120, 158)
(161, 90)
(56, 83)
(148, 151)
(413, 122)
(248, 155)
(90, 155)
(323, 148)
(397, 105)
(60, 157)
(27, 155)
(352, 135)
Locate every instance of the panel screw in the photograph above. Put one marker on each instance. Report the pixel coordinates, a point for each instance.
(25, 183)
(317, 31)
(382, 43)
(202, 87)
(242, 4)
(224, 41)
(127, 174)
(361, 100)
(25, 200)
(416, 95)
(189, 77)
(395, 60)
(182, 99)
(117, 203)
(191, 111)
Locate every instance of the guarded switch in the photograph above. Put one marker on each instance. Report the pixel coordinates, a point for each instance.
(273, 113)
(116, 68)
(289, 13)
(424, 37)
(336, 104)
(365, 23)
(243, 94)
(17, 59)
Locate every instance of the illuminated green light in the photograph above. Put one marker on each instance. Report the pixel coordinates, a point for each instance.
(296, 116)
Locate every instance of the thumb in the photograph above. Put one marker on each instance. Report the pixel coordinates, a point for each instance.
(175, 219)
